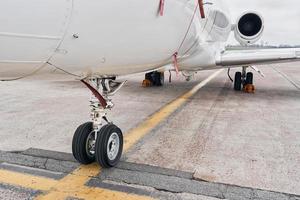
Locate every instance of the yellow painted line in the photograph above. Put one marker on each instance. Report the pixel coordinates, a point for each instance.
(85, 192)
(137, 133)
(26, 181)
(73, 185)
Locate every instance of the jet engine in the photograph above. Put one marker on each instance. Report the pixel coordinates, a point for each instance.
(249, 28)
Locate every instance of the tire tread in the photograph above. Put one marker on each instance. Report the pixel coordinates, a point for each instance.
(78, 143)
(238, 81)
(101, 150)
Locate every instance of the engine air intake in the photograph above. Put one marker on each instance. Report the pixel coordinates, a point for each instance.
(249, 28)
(250, 24)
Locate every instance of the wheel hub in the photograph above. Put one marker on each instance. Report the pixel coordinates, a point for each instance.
(90, 144)
(113, 146)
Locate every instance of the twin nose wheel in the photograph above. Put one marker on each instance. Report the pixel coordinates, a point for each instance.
(105, 146)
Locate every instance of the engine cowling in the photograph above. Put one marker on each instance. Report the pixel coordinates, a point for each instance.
(249, 28)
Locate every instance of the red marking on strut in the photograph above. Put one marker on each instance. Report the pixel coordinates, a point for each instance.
(176, 62)
(161, 7)
(96, 94)
(201, 6)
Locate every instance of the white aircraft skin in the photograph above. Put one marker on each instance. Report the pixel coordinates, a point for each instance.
(108, 37)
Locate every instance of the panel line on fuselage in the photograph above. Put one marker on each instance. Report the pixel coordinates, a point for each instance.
(22, 35)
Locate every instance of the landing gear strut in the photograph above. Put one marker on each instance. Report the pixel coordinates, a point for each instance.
(244, 79)
(94, 141)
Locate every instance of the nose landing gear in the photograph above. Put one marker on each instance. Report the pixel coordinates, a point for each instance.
(92, 141)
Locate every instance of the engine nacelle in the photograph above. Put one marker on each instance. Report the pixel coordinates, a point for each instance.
(249, 28)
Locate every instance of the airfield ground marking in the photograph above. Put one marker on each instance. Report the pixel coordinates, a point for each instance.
(26, 181)
(286, 77)
(73, 185)
(145, 127)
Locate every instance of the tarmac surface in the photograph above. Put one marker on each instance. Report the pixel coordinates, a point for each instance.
(212, 144)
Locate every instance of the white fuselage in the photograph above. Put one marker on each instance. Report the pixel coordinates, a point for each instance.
(109, 37)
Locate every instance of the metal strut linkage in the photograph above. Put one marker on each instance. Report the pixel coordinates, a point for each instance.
(244, 74)
(100, 102)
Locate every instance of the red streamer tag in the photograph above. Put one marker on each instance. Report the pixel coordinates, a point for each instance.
(201, 6)
(176, 63)
(161, 7)
(96, 94)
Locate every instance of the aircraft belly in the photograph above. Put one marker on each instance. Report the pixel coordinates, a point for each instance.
(201, 57)
(104, 37)
(121, 37)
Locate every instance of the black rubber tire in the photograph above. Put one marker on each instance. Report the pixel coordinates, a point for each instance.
(249, 78)
(79, 143)
(162, 78)
(238, 81)
(148, 76)
(101, 146)
(158, 78)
